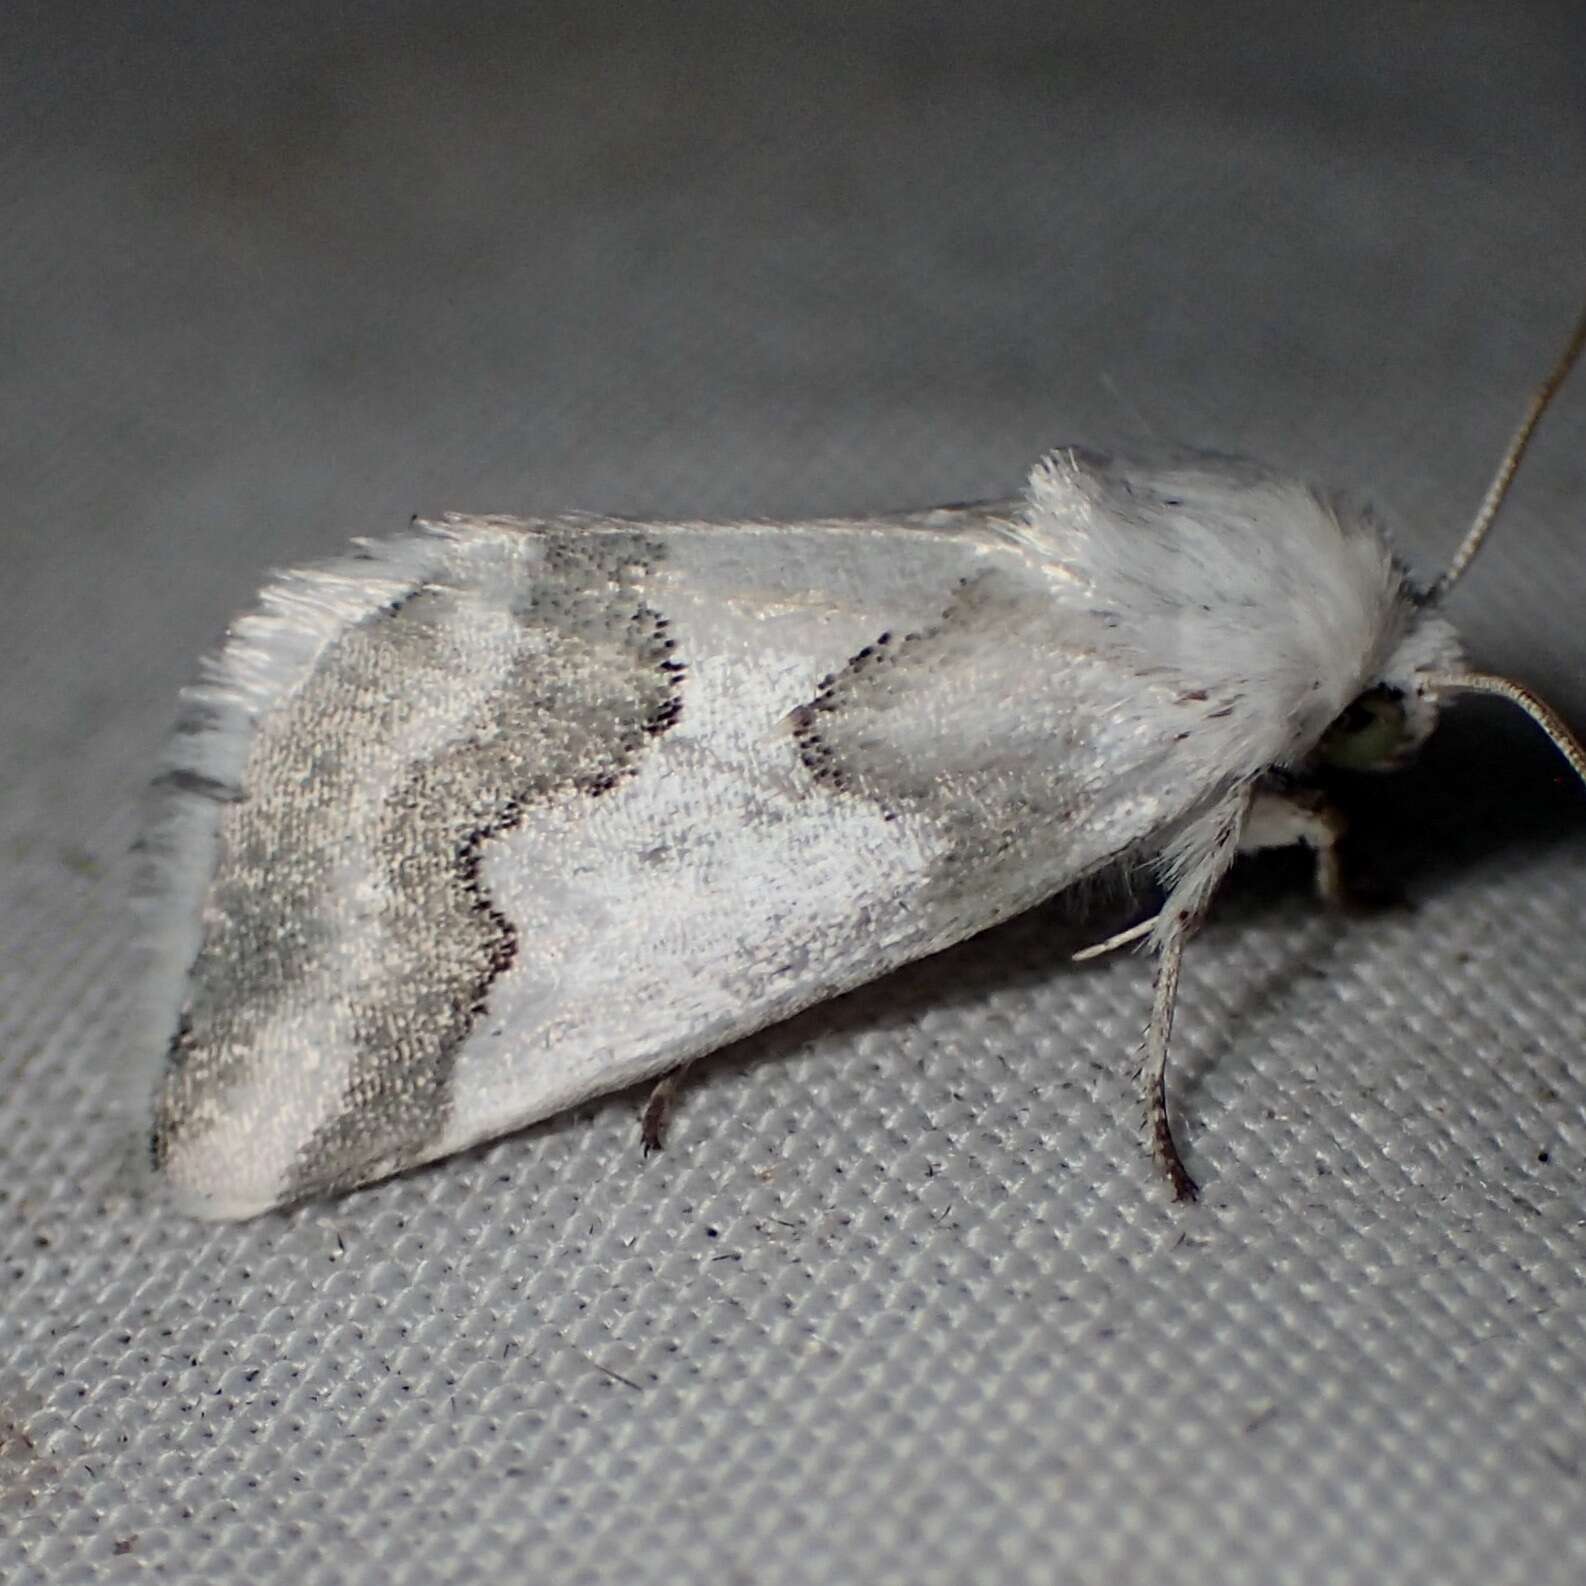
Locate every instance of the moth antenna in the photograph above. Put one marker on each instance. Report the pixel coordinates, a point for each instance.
(1537, 709)
(1499, 488)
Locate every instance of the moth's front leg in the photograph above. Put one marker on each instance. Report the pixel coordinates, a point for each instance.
(1283, 813)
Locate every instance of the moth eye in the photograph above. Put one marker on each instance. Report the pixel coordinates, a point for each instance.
(1370, 732)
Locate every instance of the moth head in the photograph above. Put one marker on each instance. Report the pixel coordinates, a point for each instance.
(1371, 735)
(1394, 714)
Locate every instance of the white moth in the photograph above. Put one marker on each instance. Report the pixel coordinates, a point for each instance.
(498, 815)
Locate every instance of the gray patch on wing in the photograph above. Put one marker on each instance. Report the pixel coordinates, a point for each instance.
(585, 681)
(969, 725)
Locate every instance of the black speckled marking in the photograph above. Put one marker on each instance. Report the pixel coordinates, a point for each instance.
(819, 757)
(181, 780)
(943, 723)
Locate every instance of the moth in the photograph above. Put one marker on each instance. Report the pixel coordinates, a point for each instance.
(499, 814)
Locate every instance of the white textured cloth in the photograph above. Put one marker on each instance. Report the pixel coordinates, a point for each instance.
(904, 1299)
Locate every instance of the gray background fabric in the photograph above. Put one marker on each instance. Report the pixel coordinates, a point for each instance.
(903, 1300)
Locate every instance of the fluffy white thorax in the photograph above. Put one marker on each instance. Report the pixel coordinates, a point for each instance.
(1278, 602)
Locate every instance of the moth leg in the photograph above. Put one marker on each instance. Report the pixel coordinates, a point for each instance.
(1197, 862)
(1153, 1072)
(1283, 815)
(1117, 939)
(658, 1109)
(1280, 815)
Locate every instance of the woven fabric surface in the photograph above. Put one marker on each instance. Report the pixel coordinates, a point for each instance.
(903, 1300)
